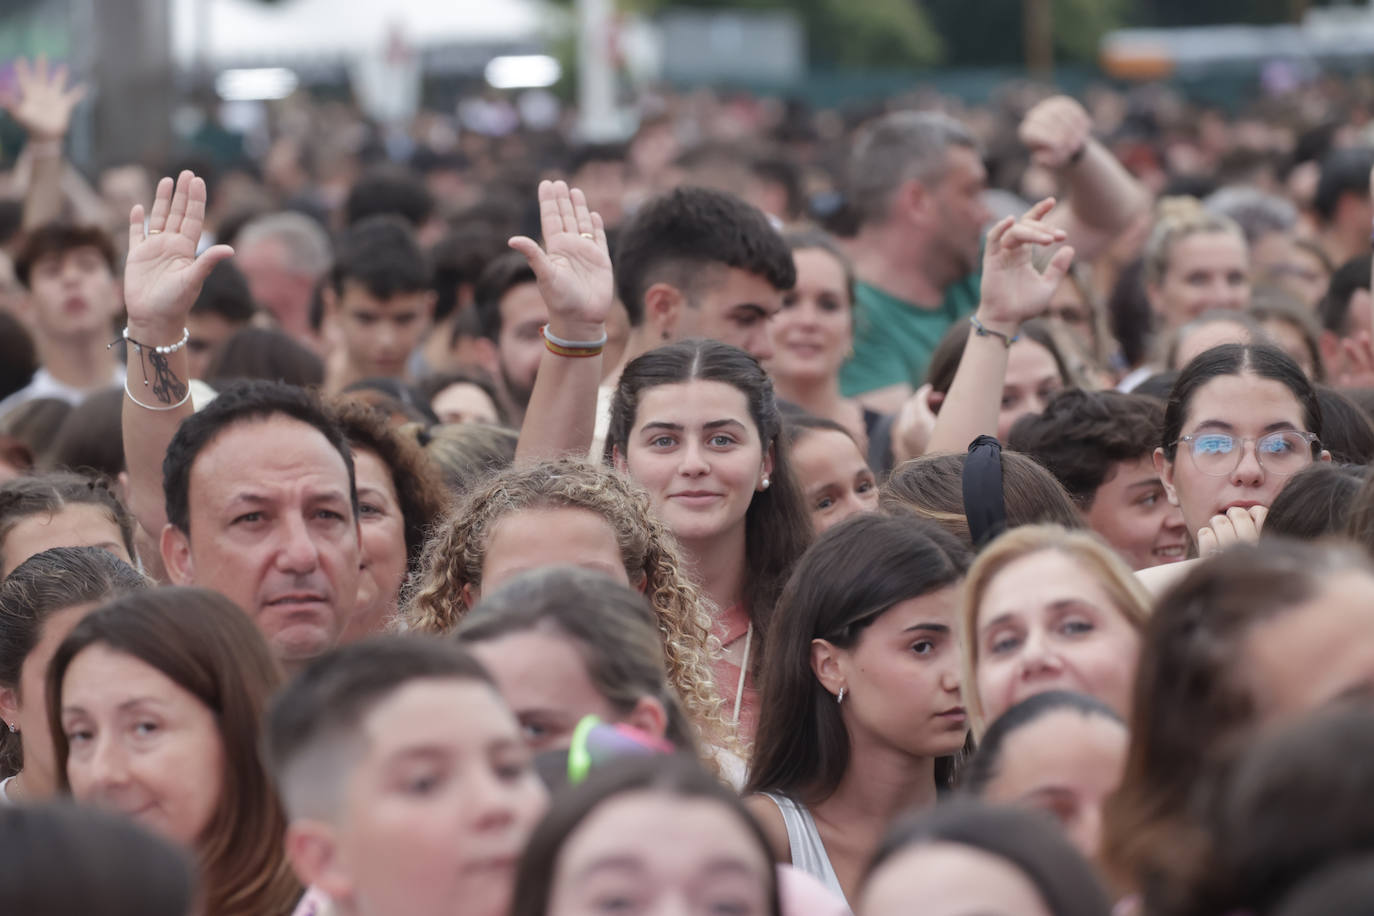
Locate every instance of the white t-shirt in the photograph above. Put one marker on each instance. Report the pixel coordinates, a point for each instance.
(43, 385)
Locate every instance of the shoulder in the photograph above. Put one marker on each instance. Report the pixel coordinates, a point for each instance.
(769, 817)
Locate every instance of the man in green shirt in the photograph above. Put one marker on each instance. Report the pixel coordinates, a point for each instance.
(916, 183)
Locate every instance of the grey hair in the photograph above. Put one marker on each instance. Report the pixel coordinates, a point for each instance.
(897, 148)
(1257, 212)
(305, 241)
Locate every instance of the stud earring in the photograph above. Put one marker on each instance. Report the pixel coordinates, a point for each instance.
(766, 482)
(840, 697)
(14, 729)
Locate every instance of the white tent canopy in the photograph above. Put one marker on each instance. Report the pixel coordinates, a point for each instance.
(245, 31)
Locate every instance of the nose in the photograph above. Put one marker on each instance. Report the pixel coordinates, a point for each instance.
(1036, 657)
(693, 462)
(1248, 471)
(1173, 519)
(107, 769)
(760, 343)
(297, 552)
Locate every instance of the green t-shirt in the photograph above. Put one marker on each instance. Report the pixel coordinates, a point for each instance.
(893, 340)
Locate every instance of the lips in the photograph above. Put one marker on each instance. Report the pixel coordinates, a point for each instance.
(1246, 504)
(694, 497)
(1170, 552)
(298, 600)
(956, 714)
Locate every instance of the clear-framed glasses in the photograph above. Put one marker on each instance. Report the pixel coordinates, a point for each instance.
(1282, 453)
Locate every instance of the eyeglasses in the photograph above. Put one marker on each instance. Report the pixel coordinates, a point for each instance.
(1282, 453)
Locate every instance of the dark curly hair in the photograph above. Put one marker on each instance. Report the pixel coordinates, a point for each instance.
(1082, 434)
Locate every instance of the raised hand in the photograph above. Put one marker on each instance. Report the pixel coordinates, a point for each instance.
(1055, 131)
(1237, 526)
(43, 103)
(163, 275)
(1013, 291)
(574, 266)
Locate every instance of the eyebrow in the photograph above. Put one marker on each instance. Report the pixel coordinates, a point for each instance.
(611, 863)
(749, 307)
(678, 427)
(1228, 428)
(929, 627)
(1142, 484)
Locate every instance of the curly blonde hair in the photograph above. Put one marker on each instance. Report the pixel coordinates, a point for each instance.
(454, 556)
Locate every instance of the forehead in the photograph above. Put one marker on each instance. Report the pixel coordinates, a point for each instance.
(964, 165)
(825, 448)
(693, 403)
(816, 265)
(939, 606)
(1039, 579)
(101, 672)
(1244, 401)
(1207, 248)
(1060, 745)
(522, 303)
(1028, 361)
(723, 288)
(357, 295)
(54, 256)
(685, 825)
(436, 712)
(274, 451)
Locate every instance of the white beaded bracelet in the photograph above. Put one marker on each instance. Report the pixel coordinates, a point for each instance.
(170, 348)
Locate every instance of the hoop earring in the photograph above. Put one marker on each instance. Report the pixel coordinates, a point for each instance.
(840, 697)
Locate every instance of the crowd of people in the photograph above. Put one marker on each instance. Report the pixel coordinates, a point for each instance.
(925, 509)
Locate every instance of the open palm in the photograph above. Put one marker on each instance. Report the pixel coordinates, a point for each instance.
(574, 266)
(1013, 291)
(163, 275)
(43, 103)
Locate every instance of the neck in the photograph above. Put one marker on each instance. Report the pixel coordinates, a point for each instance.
(81, 362)
(28, 786)
(886, 258)
(640, 341)
(718, 564)
(879, 783)
(1342, 245)
(817, 395)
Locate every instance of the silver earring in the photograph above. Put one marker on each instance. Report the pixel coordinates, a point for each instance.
(14, 729)
(840, 697)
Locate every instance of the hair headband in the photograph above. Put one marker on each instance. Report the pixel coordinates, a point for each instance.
(984, 505)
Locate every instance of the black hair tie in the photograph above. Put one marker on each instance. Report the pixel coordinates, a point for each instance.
(984, 505)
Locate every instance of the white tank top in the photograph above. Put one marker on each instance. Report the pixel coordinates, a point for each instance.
(804, 839)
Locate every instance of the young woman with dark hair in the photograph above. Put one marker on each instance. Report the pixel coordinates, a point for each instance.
(696, 424)
(1254, 636)
(834, 477)
(862, 716)
(61, 509)
(1247, 419)
(966, 857)
(660, 832)
(1057, 752)
(156, 702)
(40, 602)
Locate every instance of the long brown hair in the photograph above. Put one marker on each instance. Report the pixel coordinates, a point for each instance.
(1190, 707)
(206, 645)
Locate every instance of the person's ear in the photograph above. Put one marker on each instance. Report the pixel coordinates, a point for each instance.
(618, 460)
(1333, 353)
(663, 305)
(1154, 294)
(912, 200)
(314, 856)
(175, 548)
(427, 306)
(827, 664)
(649, 716)
(1324, 456)
(330, 298)
(1165, 469)
(471, 595)
(934, 400)
(9, 707)
(766, 468)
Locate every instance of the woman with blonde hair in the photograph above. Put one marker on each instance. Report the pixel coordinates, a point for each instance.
(569, 513)
(1194, 262)
(1045, 608)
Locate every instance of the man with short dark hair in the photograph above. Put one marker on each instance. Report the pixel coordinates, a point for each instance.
(916, 187)
(1100, 445)
(379, 302)
(254, 497)
(69, 304)
(512, 315)
(1342, 204)
(223, 307)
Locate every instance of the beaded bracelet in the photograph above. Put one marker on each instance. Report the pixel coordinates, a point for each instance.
(170, 348)
(573, 349)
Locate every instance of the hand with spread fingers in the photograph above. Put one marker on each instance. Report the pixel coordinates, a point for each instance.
(163, 274)
(43, 102)
(573, 267)
(1013, 291)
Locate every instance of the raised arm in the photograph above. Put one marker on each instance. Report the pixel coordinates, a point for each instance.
(162, 278)
(574, 273)
(1103, 198)
(1013, 291)
(42, 104)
